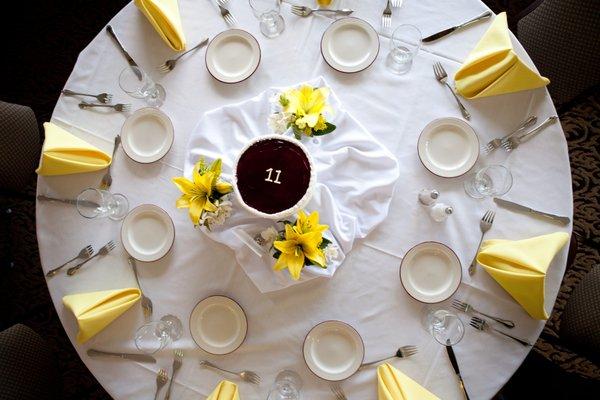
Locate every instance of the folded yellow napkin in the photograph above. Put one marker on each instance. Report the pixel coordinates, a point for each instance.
(225, 390)
(520, 267)
(95, 310)
(394, 385)
(64, 153)
(493, 67)
(164, 17)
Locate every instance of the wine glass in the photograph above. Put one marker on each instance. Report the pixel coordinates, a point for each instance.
(404, 46)
(493, 180)
(445, 326)
(156, 335)
(136, 83)
(268, 13)
(97, 203)
(286, 387)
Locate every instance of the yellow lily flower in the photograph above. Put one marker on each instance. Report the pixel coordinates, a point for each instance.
(308, 104)
(295, 248)
(309, 223)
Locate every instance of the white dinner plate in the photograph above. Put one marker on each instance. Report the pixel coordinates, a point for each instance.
(147, 233)
(430, 272)
(448, 147)
(147, 135)
(350, 45)
(218, 325)
(232, 56)
(333, 350)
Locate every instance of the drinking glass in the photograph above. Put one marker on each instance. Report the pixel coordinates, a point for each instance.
(287, 386)
(141, 88)
(493, 180)
(445, 326)
(271, 21)
(157, 335)
(404, 46)
(96, 203)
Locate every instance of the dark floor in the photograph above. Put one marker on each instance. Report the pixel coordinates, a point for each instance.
(34, 73)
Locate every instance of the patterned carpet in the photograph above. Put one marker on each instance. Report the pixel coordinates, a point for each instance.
(40, 69)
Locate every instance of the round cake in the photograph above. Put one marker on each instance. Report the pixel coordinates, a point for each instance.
(274, 176)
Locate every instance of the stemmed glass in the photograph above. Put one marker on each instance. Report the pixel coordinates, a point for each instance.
(445, 326)
(136, 83)
(268, 12)
(404, 46)
(493, 180)
(96, 203)
(157, 335)
(287, 386)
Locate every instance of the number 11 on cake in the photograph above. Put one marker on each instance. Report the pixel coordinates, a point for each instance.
(270, 171)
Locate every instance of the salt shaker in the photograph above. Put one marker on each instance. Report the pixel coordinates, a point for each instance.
(440, 212)
(428, 196)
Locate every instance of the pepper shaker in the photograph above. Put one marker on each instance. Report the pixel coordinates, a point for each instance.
(440, 212)
(428, 196)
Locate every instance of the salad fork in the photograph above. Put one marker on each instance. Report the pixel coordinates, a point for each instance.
(386, 17)
(170, 64)
(107, 178)
(304, 11)
(146, 302)
(177, 361)
(107, 248)
(338, 391)
(497, 142)
(102, 97)
(442, 77)
(485, 224)
(225, 14)
(482, 325)
(247, 376)
(512, 143)
(86, 252)
(117, 107)
(402, 352)
(396, 3)
(161, 380)
(468, 309)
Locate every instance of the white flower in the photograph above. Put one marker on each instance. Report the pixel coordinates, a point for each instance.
(269, 235)
(278, 122)
(331, 252)
(218, 217)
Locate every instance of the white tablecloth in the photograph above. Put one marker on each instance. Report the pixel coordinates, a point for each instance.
(366, 292)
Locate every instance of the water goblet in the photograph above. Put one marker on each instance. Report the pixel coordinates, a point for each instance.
(97, 203)
(404, 46)
(268, 12)
(493, 180)
(156, 335)
(141, 88)
(286, 387)
(445, 326)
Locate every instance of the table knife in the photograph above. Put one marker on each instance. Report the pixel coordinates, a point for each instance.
(448, 31)
(517, 207)
(143, 358)
(84, 203)
(130, 60)
(452, 358)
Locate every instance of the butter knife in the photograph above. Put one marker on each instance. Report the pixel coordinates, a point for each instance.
(84, 203)
(454, 363)
(143, 358)
(518, 207)
(129, 59)
(448, 31)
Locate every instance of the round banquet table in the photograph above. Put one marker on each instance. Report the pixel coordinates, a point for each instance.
(365, 291)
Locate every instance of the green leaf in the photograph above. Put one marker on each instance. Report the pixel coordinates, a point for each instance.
(276, 254)
(330, 128)
(324, 243)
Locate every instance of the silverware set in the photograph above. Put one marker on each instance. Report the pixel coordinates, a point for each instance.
(513, 142)
(177, 362)
(104, 250)
(143, 358)
(524, 209)
(485, 224)
(497, 142)
(72, 202)
(386, 17)
(303, 11)
(482, 325)
(225, 14)
(402, 352)
(442, 77)
(337, 391)
(169, 65)
(468, 309)
(104, 98)
(129, 59)
(161, 381)
(119, 107)
(107, 178)
(146, 302)
(85, 253)
(448, 31)
(246, 376)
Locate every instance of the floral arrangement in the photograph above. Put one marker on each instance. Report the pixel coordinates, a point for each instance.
(303, 110)
(206, 195)
(300, 244)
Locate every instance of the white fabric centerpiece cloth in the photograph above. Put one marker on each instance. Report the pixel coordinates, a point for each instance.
(355, 181)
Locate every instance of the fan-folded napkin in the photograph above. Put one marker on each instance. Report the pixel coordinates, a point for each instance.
(225, 390)
(164, 17)
(394, 385)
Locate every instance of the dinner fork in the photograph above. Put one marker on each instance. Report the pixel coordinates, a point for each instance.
(482, 325)
(146, 302)
(86, 252)
(107, 178)
(386, 17)
(485, 224)
(442, 77)
(396, 3)
(512, 143)
(338, 391)
(104, 250)
(247, 376)
(161, 380)
(225, 14)
(497, 142)
(170, 64)
(177, 361)
(468, 309)
(102, 97)
(117, 107)
(402, 352)
(304, 11)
